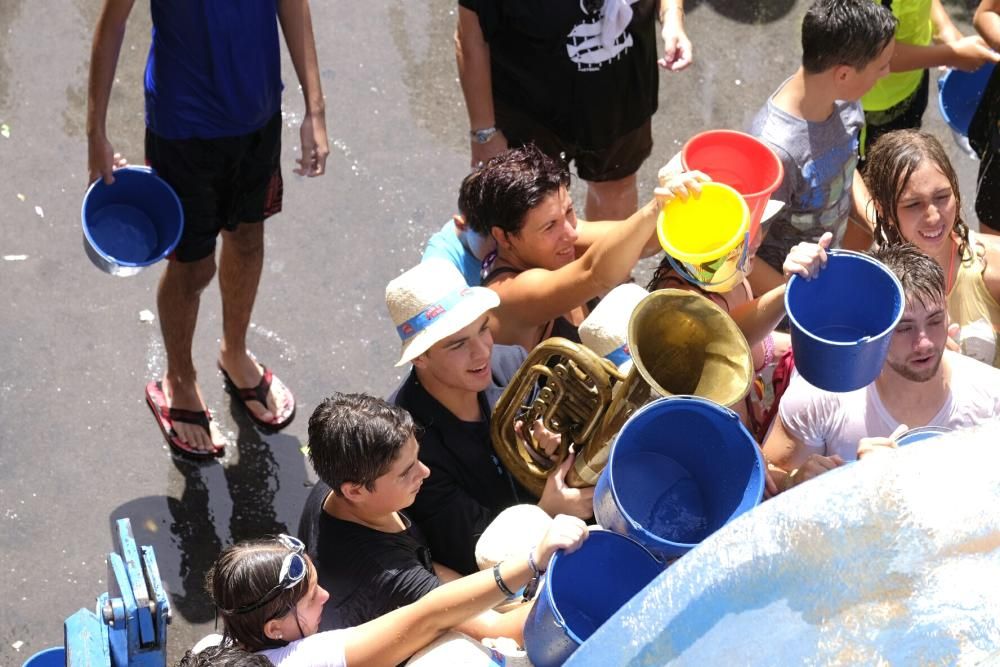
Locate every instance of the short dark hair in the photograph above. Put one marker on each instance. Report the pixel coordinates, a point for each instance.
(503, 191)
(845, 32)
(224, 656)
(888, 167)
(921, 276)
(354, 439)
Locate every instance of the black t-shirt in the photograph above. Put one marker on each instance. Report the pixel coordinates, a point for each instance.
(367, 572)
(548, 60)
(468, 486)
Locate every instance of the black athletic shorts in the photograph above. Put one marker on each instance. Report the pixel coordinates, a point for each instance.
(620, 159)
(221, 182)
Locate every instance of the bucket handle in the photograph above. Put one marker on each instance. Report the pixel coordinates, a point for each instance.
(683, 273)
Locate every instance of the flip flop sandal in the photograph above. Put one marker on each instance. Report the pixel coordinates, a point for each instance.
(259, 394)
(166, 416)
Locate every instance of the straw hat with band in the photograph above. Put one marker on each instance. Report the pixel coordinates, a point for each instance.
(432, 301)
(605, 331)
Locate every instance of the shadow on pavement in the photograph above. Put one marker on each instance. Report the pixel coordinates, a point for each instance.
(187, 533)
(753, 12)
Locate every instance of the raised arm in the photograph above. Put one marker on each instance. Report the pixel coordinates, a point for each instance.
(987, 22)
(296, 24)
(472, 55)
(108, 37)
(396, 636)
(536, 296)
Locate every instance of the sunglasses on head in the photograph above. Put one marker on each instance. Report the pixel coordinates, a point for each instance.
(293, 570)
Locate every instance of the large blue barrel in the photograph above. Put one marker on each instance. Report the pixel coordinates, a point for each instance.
(842, 321)
(582, 590)
(132, 223)
(681, 468)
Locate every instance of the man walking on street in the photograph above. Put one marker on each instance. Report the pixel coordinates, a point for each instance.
(213, 132)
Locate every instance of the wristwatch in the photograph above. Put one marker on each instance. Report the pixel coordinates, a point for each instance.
(484, 135)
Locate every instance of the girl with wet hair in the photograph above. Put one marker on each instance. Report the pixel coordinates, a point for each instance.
(270, 602)
(915, 197)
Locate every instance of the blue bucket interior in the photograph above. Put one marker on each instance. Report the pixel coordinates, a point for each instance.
(682, 468)
(918, 434)
(853, 298)
(959, 94)
(135, 221)
(50, 657)
(589, 585)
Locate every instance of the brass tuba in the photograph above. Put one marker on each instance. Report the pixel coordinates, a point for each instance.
(680, 342)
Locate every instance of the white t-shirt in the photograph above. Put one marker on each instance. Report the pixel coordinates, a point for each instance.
(833, 423)
(323, 649)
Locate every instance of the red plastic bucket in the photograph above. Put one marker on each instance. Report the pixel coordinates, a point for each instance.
(740, 161)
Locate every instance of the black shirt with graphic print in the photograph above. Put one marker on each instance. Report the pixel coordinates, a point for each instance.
(549, 61)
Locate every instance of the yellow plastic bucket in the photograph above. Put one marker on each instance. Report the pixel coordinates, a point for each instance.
(707, 238)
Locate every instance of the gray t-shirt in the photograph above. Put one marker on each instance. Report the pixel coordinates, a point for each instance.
(819, 161)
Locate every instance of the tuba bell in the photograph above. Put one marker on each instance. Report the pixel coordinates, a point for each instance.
(681, 344)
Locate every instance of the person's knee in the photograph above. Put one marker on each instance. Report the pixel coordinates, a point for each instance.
(190, 278)
(246, 239)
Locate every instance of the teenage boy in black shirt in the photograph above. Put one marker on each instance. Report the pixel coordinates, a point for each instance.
(456, 379)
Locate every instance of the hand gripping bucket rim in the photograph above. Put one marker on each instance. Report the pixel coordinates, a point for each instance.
(98, 256)
(663, 547)
(546, 629)
(812, 351)
(836, 343)
(685, 262)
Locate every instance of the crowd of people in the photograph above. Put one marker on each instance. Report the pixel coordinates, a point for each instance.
(390, 552)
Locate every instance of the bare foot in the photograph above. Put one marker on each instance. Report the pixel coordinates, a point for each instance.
(187, 396)
(246, 373)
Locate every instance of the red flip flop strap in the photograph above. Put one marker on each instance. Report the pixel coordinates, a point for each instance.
(260, 392)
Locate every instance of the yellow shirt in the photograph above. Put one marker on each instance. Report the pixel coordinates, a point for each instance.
(914, 28)
(975, 310)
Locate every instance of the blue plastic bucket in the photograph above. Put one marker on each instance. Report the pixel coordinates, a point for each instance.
(842, 320)
(50, 657)
(959, 94)
(921, 433)
(681, 468)
(132, 223)
(582, 590)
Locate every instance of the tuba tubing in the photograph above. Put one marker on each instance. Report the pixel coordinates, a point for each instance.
(681, 344)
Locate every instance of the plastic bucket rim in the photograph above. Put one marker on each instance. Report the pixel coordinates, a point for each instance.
(984, 70)
(114, 261)
(724, 249)
(797, 327)
(743, 135)
(613, 488)
(45, 652)
(557, 615)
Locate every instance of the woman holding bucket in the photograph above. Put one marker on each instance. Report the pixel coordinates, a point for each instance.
(547, 270)
(270, 602)
(914, 191)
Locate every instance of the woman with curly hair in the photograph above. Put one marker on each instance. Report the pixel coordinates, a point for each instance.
(915, 197)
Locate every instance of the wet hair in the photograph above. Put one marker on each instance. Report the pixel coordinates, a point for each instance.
(921, 276)
(242, 575)
(354, 439)
(501, 193)
(890, 163)
(224, 656)
(845, 32)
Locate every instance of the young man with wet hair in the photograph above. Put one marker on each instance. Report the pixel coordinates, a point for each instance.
(921, 384)
(813, 123)
(368, 554)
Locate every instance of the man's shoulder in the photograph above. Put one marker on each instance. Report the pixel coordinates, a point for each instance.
(973, 376)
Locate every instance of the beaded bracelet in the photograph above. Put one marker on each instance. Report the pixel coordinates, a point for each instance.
(500, 582)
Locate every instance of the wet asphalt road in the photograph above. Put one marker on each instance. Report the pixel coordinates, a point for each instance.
(78, 446)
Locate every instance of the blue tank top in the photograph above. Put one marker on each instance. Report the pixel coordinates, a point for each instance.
(214, 68)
